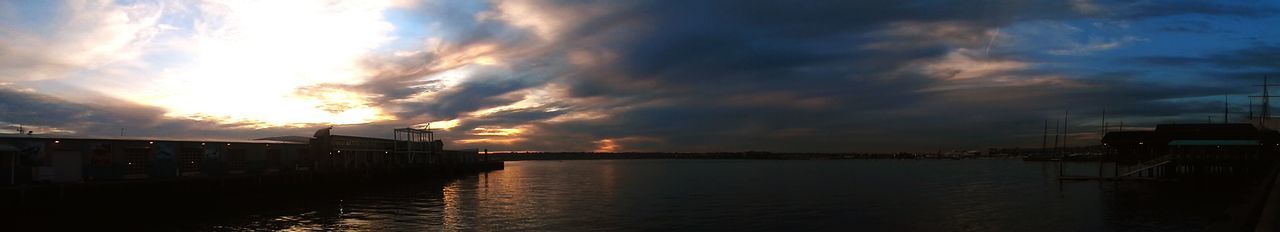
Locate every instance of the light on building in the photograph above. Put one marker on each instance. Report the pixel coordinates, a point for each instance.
(56, 141)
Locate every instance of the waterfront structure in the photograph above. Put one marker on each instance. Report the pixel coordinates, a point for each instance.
(1192, 150)
(35, 159)
(414, 143)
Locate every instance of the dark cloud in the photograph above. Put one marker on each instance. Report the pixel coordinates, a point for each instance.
(1149, 9)
(818, 76)
(470, 96)
(31, 108)
(1199, 26)
(1259, 56)
(107, 116)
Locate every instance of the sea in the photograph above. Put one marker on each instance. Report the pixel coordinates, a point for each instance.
(750, 195)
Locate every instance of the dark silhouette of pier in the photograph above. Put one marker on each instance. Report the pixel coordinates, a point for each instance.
(78, 173)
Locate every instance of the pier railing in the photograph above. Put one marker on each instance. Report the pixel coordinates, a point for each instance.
(1192, 165)
(1147, 165)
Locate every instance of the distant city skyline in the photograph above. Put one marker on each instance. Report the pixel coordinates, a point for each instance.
(668, 76)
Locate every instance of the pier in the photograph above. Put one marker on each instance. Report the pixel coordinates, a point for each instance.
(49, 169)
(1201, 152)
(1181, 151)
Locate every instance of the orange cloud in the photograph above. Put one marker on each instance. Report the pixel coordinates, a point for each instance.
(606, 145)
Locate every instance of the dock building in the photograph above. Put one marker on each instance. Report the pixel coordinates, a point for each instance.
(54, 159)
(1189, 150)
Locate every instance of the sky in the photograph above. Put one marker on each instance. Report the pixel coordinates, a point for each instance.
(679, 76)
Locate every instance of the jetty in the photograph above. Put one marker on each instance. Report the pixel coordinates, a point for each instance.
(47, 169)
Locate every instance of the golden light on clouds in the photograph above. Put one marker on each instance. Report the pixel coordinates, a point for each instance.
(606, 145)
(485, 131)
(969, 64)
(331, 107)
(486, 60)
(498, 141)
(440, 125)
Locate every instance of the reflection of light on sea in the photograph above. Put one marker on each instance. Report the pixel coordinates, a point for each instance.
(452, 218)
(350, 218)
(299, 222)
(609, 179)
(463, 209)
(511, 194)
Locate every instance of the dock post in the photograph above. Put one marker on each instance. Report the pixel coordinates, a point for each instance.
(1061, 166)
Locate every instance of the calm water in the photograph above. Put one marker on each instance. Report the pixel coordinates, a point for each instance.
(751, 195)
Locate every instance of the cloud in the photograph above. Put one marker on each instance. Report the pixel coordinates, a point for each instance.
(1258, 57)
(1192, 26)
(965, 64)
(662, 75)
(36, 110)
(1154, 9)
(542, 18)
(1085, 7)
(91, 34)
(751, 75)
(1095, 44)
(107, 116)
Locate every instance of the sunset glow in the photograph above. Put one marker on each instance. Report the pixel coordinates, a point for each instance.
(267, 63)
